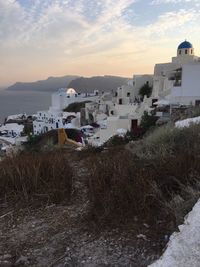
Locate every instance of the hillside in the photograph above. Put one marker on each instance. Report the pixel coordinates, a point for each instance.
(94, 211)
(81, 84)
(101, 83)
(50, 84)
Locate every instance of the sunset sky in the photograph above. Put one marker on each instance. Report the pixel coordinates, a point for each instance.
(41, 38)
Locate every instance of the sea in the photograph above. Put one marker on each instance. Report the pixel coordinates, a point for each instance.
(15, 102)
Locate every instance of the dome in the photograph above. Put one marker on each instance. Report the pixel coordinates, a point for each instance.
(71, 91)
(185, 45)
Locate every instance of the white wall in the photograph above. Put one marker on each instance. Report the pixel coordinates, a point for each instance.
(189, 91)
(113, 124)
(139, 81)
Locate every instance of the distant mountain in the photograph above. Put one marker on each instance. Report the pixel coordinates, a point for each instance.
(49, 85)
(101, 83)
(80, 84)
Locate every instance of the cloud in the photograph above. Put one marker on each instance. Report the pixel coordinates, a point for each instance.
(173, 21)
(157, 2)
(79, 33)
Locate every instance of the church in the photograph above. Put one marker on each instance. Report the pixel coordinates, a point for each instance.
(178, 82)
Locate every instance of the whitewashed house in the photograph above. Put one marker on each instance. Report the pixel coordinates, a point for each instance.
(122, 111)
(12, 129)
(55, 117)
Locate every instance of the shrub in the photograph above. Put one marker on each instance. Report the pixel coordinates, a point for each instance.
(76, 106)
(118, 140)
(118, 190)
(168, 141)
(145, 90)
(147, 180)
(147, 121)
(193, 112)
(39, 177)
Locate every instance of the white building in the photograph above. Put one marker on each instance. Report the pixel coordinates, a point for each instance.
(62, 98)
(55, 118)
(123, 111)
(129, 93)
(179, 81)
(47, 121)
(12, 129)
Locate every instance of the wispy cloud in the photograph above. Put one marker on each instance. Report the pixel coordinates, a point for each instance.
(170, 21)
(71, 35)
(157, 2)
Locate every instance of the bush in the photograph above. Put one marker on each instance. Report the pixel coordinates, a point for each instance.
(145, 90)
(76, 106)
(169, 141)
(190, 113)
(118, 140)
(147, 121)
(118, 190)
(147, 180)
(33, 177)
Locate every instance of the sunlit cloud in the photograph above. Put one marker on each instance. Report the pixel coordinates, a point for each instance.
(56, 37)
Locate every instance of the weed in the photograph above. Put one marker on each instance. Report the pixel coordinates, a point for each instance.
(39, 177)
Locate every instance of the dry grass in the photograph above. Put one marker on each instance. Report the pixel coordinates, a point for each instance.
(147, 179)
(36, 177)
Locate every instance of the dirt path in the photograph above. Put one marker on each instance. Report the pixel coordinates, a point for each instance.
(58, 235)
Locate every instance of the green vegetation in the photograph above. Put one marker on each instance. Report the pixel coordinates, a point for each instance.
(147, 121)
(145, 90)
(118, 140)
(76, 106)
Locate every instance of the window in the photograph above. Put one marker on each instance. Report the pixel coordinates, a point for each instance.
(197, 103)
(179, 52)
(112, 112)
(128, 94)
(186, 51)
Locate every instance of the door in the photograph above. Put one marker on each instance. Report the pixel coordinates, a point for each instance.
(120, 101)
(134, 125)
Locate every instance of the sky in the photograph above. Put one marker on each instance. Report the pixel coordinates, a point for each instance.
(42, 38)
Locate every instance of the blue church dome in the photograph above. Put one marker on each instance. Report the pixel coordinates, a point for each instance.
(185, 45)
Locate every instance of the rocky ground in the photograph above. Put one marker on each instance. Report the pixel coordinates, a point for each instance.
(59, 235)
